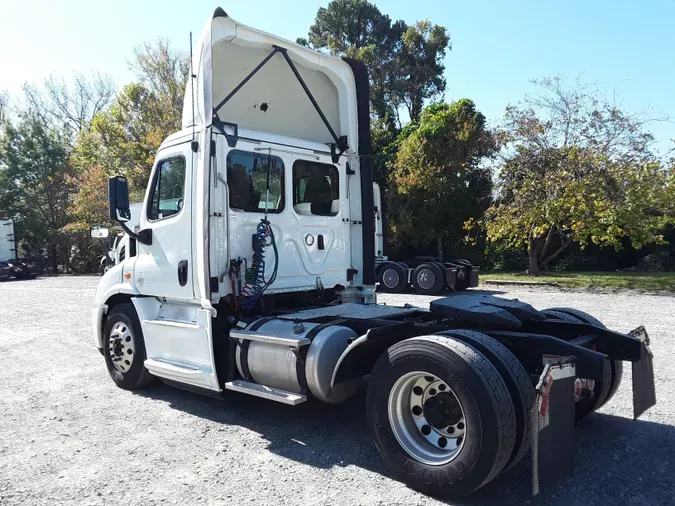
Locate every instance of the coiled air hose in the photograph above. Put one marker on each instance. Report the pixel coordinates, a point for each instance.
(256, 284)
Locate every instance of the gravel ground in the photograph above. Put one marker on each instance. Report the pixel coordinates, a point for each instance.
(69, 436)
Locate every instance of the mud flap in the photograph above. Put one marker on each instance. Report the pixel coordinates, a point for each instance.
(553, 423)
(644, 391)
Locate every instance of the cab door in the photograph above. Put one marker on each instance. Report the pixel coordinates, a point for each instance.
(164, 268)
(322, 219)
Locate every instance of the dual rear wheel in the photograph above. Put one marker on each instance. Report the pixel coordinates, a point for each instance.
(428, 278)
(449, 412)
(594, 394)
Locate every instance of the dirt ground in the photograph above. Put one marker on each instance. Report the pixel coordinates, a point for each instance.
(69, 436)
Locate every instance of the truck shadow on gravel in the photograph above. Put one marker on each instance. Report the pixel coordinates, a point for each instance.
(617, 461)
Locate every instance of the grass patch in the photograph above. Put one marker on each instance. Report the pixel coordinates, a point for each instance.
(650, 281)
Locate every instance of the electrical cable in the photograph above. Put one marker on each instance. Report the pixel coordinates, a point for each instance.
(256, 284)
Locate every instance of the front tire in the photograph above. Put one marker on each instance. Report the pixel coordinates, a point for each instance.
(124, 349)
(441, 415)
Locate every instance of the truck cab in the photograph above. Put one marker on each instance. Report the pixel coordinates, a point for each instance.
(264, 198)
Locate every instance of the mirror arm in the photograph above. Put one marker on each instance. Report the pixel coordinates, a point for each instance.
(105, 252)
(143, 236)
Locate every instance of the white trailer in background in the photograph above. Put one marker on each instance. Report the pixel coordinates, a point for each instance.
(7, 241)
(252, 272)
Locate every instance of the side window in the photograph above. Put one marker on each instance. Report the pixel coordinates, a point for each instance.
(168, 193)
(247, 181)
(316, 188)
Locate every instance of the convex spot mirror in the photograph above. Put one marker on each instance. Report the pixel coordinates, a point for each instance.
(118, 199)
(99, 232)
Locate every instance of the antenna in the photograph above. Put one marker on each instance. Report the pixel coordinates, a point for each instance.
(192, 90)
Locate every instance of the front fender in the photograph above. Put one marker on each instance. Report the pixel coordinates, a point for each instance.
(112, 283)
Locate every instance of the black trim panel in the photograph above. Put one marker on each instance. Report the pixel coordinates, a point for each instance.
(365, 151)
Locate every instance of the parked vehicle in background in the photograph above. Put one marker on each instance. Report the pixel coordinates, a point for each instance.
(12, 266)
(426, 275)
(6, 271)
(7, 241)
(26, 268)
(116, 252)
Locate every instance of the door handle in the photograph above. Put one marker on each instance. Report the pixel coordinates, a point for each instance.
(182, 272)
(320, 243)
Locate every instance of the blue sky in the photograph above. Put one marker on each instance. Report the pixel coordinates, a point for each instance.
(497, 45)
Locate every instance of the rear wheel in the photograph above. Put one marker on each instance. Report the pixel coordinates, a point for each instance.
(392, 277)
(428, 279)
(124, 349)
(600, 391)
(517, 382)
(441, 415)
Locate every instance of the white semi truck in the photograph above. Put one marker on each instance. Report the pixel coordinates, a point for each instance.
(252, 273)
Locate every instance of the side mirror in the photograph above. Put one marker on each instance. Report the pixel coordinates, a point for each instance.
(118, 199)
(99, 232)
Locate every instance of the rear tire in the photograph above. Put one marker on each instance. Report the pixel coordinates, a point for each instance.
(517, 382)
(447, 468)
(393, 278)
(428, 279)
(612, 372)
(124, 349)
(617, 365)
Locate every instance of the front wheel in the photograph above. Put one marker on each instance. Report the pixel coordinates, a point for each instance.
(441, 415)
(124, 349)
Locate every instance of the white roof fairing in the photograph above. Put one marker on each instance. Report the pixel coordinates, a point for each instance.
(272, 100)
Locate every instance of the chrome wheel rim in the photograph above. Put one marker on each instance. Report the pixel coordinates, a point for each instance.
(426, 418)
(121, 347)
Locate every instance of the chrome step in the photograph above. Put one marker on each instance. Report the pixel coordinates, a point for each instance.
(247, 335)
(273, 394)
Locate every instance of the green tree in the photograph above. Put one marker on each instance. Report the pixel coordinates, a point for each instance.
(438, 181)
(124, 139)
(405, 63)
(577, 168)
(4, 106)
(418, 70)
(34, 187)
